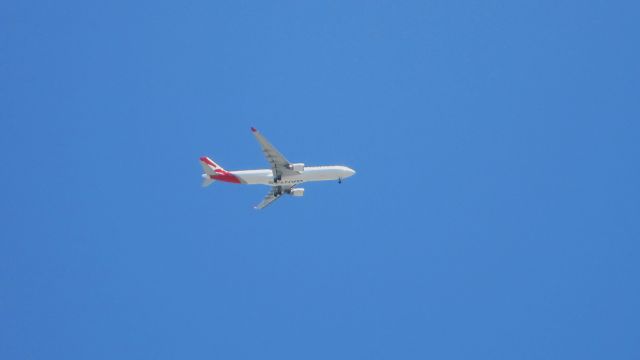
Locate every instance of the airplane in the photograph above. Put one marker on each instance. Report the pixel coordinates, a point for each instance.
(283, 177)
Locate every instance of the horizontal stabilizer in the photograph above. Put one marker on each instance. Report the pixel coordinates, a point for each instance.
(207, 181)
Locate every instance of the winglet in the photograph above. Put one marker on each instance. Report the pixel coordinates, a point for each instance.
(253, 129)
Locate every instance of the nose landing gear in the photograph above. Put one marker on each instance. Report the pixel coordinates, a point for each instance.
(339, 180)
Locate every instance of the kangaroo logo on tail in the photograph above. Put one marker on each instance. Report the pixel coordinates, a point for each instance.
(211, 169)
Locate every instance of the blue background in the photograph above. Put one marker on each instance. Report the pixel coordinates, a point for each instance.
(494, 214)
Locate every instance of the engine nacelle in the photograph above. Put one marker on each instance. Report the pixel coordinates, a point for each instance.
(299, 167)
(297, 192)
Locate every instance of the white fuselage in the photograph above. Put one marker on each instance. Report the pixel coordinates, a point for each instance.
(310, 173)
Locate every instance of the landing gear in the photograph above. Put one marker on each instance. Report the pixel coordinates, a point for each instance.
(339, 180)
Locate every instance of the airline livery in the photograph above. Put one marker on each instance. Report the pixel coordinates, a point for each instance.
(283, 177)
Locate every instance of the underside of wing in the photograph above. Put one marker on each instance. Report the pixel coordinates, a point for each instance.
(279, 164)
(275, 193)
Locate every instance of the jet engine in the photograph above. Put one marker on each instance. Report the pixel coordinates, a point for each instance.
(299, 167)
(297, 192)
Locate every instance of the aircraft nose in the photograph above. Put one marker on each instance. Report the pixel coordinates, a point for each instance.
(351, 171)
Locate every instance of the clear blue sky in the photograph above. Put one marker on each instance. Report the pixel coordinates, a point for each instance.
(495, 212)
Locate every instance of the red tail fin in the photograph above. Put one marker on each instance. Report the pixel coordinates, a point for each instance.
(207, 161)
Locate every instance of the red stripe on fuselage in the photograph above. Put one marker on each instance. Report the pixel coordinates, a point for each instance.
(220, 173)
(226, 177)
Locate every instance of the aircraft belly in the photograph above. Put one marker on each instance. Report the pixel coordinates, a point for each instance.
(266, 177)
(311, 176)
(255, 178)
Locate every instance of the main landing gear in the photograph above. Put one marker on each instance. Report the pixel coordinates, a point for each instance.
(339, 180)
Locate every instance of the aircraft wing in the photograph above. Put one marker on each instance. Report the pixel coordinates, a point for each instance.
(275, 193)
(279, 164)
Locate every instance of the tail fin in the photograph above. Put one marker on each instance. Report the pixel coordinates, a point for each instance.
(209, 165)
(210, 169)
